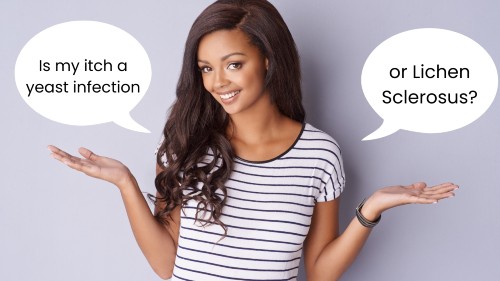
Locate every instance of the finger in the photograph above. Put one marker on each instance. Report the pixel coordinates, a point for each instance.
(88, 154)
(442, 185)
(424, 200)
(57, 151)
(434, 198)
(86, 166)
(441, 188)
(60, 155)
(442, 195)
(63, 156)
(52, 148)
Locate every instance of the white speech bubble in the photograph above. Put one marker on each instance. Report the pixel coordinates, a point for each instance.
(84, 73)
(458, 83)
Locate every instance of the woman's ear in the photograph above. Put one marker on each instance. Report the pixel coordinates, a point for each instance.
(267, 64)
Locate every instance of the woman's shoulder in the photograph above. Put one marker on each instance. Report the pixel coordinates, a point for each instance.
(325, 148)
(316, 138)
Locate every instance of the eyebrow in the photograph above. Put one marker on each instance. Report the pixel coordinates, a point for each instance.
(226, 56)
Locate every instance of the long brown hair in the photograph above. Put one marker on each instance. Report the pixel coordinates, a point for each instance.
(197, 123)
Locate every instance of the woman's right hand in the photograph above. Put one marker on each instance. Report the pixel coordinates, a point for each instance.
(96, 166)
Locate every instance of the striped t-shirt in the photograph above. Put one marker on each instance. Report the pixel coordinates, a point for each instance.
(268, 214)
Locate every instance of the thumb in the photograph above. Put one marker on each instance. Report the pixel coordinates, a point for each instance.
(419, 185)
(88, 154)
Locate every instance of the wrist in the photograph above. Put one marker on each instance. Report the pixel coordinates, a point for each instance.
(368, 219)
(370, 210)
(127, 183)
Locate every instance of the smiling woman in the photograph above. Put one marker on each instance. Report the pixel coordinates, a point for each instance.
(244, 185)
(233, 70)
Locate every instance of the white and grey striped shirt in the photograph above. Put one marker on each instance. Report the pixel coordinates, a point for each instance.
(268, 214)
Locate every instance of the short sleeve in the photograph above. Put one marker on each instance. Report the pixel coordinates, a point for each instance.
(332, 173)
(163, 157)
(332, 189)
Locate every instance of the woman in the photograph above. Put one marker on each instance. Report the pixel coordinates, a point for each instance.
(244, 185)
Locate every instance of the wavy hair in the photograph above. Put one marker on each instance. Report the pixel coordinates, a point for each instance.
(197, 123)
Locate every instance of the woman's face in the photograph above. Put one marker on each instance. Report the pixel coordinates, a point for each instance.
(233, 71)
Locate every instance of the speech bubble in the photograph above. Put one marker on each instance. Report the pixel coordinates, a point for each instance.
(84, 73)
(428, 80)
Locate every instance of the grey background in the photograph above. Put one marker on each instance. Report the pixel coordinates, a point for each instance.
(56, 224)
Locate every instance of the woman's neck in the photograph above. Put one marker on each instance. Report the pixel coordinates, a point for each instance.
(256, 127)
(261, 137)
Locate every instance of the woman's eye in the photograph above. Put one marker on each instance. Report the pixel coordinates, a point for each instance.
(234, 65)
(205, 69)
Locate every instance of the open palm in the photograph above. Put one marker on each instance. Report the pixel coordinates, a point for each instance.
(417, 193)
(93, 165)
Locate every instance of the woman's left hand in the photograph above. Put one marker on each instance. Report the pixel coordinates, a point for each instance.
(417, 193)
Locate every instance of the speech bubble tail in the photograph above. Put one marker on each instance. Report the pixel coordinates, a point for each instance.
(383, 131)
(127, 122)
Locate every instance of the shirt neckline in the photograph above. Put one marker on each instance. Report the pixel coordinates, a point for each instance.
(280, 155)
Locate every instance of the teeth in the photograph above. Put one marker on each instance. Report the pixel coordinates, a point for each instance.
(229, 95)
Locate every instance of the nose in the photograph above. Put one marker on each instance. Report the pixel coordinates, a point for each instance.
(220, 80)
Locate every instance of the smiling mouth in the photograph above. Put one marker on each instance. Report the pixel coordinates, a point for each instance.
(229, 95)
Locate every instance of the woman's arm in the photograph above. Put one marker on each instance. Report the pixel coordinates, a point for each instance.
(327, 258)
(157, 241)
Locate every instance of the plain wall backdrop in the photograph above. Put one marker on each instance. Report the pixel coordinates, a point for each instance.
(56, 224)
